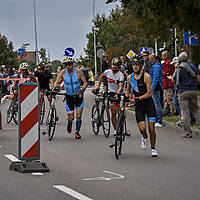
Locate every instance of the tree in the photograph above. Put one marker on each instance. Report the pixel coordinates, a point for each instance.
(42, 53)
(8, 56)
(54, 65)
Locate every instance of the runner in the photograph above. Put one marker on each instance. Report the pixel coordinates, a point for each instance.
(141, 84)
(115, 79)
(74, 97)
(22, 73)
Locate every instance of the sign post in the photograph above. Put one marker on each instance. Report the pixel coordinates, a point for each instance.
(29, 130)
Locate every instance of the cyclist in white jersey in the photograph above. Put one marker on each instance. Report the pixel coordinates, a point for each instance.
(115, 79)
(22, 73)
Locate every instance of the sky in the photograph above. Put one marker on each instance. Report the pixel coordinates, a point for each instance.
(60, 23)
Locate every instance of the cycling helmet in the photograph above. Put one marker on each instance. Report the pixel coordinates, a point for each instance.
(116, 62)
(41, 66)
(138, 60)
(68, 60)
(23, 65)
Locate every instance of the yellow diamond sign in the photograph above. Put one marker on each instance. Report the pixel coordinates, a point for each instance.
(130, 54)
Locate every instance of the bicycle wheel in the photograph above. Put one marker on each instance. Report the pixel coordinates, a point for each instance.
(95, 119)
(52, 123)
(9, 113)
(15, 111)
(106, 121)
(119, 136)
(42, 109)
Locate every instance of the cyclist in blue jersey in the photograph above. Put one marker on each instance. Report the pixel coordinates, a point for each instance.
(74, 93)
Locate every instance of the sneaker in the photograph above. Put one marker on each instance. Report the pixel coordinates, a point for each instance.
(114, 133)
(179, 123)
(158, 125)
(4, 99)
(77, 135)
(69, 127)
(154, 152)
(188, 135)
(57, 118)
(144, 142)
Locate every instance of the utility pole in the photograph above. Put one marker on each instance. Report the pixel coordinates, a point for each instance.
(175, 43)
(35, 28)
(95, 49)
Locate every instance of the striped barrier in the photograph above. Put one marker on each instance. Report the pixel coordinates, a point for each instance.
(29, 130)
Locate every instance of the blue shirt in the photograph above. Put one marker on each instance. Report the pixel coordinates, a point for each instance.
(72, 83)
(186, 81)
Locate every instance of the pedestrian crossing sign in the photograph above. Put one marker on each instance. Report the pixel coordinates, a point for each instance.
(142, 49)
(130, 54)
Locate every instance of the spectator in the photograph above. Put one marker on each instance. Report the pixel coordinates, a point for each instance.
(157, 85)
(168, 86)
(127, 66)
(3, 75)
(91, 77)
(186, 77)
(105, 66)
(147, 63)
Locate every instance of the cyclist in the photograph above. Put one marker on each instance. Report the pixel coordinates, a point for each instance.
(115, 79)
(44, 78)
(141, 84)
(74, 93)
(22, 73)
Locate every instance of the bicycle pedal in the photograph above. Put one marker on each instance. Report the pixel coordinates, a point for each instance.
(128, 134)
(44, 133)
(111, 145)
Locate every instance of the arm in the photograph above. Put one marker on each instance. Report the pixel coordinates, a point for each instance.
(51, 83)
(59, 78)
(100, 80)
(82, 77)
(148, 82)
(198, 78)
(32, 77)
(128, 89)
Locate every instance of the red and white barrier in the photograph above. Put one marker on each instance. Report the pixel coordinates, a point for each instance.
(62, 84)
(29, 126)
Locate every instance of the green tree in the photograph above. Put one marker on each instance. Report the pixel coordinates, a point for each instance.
(8, 56)
(54, 65)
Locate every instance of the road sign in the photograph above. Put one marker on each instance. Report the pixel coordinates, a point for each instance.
(190, 38)
(142, 49)
(100, 53)
(69, 52)
(21, 51)
(130, 54)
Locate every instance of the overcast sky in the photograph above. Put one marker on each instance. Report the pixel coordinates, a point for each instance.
(60, 23)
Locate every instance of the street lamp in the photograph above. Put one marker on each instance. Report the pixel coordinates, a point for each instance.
(36, 49)
(95, 53)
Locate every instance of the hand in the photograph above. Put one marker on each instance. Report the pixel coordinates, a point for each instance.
(116, 96)
(56, 89)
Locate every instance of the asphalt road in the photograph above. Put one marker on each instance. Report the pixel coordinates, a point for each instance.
(87, 169)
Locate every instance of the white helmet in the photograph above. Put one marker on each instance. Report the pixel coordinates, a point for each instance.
(23, 65)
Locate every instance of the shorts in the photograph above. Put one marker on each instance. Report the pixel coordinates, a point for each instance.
(145, 108)
(72, 102)
(114, 102)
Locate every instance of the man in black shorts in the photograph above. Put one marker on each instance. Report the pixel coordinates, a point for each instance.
(44, 78)
(141, 84)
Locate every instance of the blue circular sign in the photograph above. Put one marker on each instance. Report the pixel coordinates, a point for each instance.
(69, 52)
(21, 52)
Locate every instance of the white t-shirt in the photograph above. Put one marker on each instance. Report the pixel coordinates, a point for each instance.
(113, 80)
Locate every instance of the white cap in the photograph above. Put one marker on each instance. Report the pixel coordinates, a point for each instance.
(174, 60)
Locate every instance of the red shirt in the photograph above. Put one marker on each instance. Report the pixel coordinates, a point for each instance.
(167, 71)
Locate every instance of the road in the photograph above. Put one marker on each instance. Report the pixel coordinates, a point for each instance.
(87, 169)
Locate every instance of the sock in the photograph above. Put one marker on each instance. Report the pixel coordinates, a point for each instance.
(78, 124)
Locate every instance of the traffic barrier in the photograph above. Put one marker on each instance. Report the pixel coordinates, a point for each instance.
(29, 130)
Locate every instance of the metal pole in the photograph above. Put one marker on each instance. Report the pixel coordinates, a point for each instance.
(156, 47)
(95, 53)
(36, 49)
(175, 43)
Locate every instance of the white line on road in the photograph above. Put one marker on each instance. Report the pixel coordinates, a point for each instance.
(0, 146)
(12, 158)
(37, 174)
(71, 192)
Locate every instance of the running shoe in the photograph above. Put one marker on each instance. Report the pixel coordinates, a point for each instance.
(77, 135)
(188, 135)
(144, 142)
(154, 152)
(4, 99)
(158, 125)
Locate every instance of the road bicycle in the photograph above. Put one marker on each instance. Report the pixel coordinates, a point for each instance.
(13, 112)
(51, 117)
(122, 131)
(100, 114)
(42, 105)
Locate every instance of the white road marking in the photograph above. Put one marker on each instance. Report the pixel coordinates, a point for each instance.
(12, 158)
(37, 174)
(71, 192)
(0, 146)
(101, 178)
